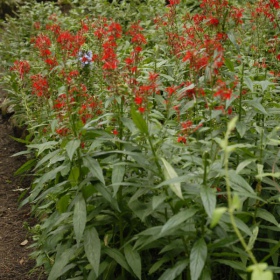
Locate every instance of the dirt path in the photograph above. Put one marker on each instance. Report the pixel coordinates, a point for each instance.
(14, 256)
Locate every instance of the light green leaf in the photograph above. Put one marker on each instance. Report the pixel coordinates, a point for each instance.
(133, 259)
(170, 173)
(92, 247)
(177, 219)
(172, 273)
(94, 168)
(60, 262)
(197, 258)
(71, 147)
(259, 272)
(209, 199)
(253, 238)
(79, 217)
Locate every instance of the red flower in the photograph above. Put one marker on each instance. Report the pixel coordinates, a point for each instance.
(138, 100)
(115, 132)
(182, 139)
(40, 85)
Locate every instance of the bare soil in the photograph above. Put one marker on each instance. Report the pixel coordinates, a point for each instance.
(15, 263)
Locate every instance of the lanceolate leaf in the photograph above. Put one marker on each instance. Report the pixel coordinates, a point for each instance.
(177, 219)
(133, 259)
(117, 177)
(208, 198)
(92, 247)
(170, 173)
(79, 217)
(60, 262)
(71, 147)
(94, 168)
(118, 257)
(175, 271)
(197, 258)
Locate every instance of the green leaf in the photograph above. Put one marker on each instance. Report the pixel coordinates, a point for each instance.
(209, 199)
(158, 264)
(239, 223)
(197, 258)
(118, 257)
(139, 121)
(259, 272)
(60, 262)
(71, 147)
(267, 216)
(172, 273)
(170, 173)
(241, 128)
(257, 105)
(74, 176)
(94, 168)
(117, 177)
(248, 82)
(177, 220)
(92, 247)
(133, 259)
(157, 200)
(43, 146)
(229, 64)
(243, 164)
(26, 167)
(216, 216)
(63, 204)
(79, 217)
(238, 183)
(253, 238)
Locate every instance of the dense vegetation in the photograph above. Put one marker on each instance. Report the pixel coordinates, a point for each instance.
(153, 136)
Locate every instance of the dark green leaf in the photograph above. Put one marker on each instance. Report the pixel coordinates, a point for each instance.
(139, 121)
(133, 259)
(94, 168)
(172, 273)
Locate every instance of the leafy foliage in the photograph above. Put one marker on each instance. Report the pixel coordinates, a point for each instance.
(154, 134)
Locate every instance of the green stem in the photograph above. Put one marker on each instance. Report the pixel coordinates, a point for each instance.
(230, 201)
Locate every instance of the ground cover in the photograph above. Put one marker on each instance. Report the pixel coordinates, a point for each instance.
(154, 134)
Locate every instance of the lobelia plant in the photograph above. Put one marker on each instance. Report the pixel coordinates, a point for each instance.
(154, 139)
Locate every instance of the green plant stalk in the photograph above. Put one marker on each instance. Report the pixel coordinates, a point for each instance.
(230, 204)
